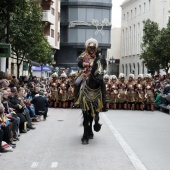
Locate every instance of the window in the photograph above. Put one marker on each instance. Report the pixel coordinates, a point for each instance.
(52, 11)
(149, 4)
(58, 36)
(52, 33)
(124, 17)
(12, 68)
(127, 16)
(135, 12)
(58, 16)
(139, 9)
(144, 7)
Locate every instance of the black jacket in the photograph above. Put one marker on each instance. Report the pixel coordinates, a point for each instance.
(40, 103)
(13, 103)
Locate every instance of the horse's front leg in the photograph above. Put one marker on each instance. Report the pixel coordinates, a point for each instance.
(97, 125)
(90, 131)
(85, 138)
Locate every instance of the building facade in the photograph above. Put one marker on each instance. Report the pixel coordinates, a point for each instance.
(51, 18)
(134, 12)
(81, 20)
(113, 54)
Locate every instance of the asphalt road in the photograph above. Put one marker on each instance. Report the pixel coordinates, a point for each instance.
(128, 140)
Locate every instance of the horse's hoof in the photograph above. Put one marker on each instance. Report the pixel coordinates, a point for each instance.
(84, 141)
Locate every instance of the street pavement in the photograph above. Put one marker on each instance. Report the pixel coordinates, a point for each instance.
(128, 140)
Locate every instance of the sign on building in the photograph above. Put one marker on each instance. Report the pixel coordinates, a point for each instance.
(5, 50)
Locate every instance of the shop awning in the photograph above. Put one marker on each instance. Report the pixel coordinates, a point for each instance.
(33, 63)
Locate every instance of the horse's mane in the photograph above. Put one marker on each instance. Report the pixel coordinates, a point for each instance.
(102, 60)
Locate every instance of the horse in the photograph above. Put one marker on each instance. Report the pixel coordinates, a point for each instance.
(90, 99)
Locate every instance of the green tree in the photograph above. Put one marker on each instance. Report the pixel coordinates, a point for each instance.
(151, 31)
(156, 46)
(27, 38)
(162, 48)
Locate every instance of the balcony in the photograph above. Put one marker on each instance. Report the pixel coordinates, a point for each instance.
(51, 41)
(47, 2)
(48, 17)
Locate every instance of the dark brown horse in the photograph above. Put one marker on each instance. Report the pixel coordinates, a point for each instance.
(91, 99)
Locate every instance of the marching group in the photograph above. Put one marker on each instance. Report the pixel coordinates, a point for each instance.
(144, 93)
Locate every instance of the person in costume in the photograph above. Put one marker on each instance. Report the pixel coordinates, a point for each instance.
(140, 93)
(85, 63)
(63, 87)
(108, 90)
(149, 92)
(54, 83)
(131, 86)
(71, 81)
(122, 92)
(114, 92)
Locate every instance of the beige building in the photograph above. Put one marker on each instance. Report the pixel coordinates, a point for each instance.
(134, 12)
(51, 17)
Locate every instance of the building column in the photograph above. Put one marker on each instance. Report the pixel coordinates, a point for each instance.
(3, 64)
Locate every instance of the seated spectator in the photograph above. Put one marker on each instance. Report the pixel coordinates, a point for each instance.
(14, 103)
(3, 80)
(166, 90)
(1, 138)
(158, 99)
(20, 98)
(40, 109)
(6, 127)
(35, 91)
(14, 82)
(11, 115)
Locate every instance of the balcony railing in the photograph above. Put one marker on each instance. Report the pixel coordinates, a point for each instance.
(48, 17)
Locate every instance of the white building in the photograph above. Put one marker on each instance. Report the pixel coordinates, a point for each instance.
(113, 54)
(134, 12)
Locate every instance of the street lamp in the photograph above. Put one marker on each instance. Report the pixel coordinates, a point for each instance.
(111, 61)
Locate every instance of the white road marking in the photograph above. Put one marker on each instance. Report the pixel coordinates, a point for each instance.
(54, 165)
(129, 152)
(34, 165)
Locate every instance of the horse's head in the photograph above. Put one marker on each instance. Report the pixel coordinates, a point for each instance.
(98, 68)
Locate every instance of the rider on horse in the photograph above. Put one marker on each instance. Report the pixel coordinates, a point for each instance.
(85, 62)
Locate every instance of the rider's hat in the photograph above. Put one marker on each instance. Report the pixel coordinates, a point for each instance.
(91, 43)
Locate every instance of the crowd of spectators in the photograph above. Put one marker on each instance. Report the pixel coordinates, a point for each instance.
(20, 108)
